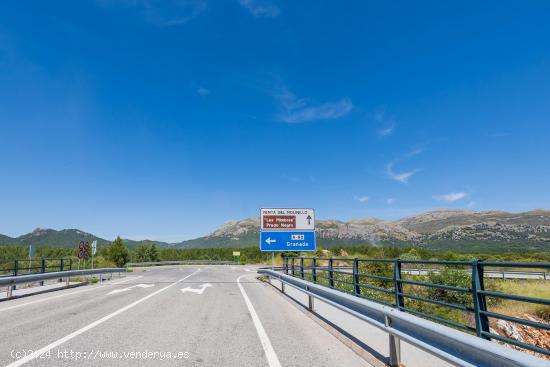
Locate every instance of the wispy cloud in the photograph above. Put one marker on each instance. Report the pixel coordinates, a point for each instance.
(166, 13)
(386, 131)
(413, 152)
(297, 110)
(402, 177)
(451, 197)
(390, 201)
(387, 122)
(261, 8)
(203, 91)
(362, 199)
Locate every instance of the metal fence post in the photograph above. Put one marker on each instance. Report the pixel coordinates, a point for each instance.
(394, 347)
(356, 287)
(286, 264)
(398, 286)
(292, 266)
(480, 303)
(314, 270)
(302, 267)
(330, 273)
(70, 264)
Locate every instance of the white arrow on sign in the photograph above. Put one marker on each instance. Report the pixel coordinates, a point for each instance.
(197, 291)
(127, 289)
(269, 241)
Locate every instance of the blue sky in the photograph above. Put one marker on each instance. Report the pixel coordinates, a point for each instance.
(164, 119)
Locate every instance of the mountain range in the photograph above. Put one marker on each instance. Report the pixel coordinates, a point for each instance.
(444, 229)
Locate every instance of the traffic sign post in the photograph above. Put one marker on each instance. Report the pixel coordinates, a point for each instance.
(237, 256)
(94, 249)
(287, 229)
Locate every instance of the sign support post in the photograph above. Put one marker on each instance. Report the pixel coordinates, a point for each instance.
(94, 249)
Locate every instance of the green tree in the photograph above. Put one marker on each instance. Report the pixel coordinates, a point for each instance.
(412, 255)
(118, 252)
(153, 253)
(141, 254)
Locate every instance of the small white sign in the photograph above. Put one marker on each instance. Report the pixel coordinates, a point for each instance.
(285, 219)
(94, 247)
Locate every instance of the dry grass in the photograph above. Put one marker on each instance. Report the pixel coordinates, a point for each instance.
(527, 288)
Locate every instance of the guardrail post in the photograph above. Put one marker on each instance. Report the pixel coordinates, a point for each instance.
(70, 264)
(314, 270)
(394, 347)
(302, 267)
(286, 264)
(480, 303)
(310, 302)
(292, 266)
(42, 268)
(330, 273)
(398, 287)
(61, 268)
(15, 271)
(356, 287)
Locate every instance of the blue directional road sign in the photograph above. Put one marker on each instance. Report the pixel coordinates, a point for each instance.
(287, 241)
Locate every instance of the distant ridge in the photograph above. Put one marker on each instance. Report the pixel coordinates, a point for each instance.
(41, 237)
(442, 229)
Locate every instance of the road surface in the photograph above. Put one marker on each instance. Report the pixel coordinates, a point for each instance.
(179, 315)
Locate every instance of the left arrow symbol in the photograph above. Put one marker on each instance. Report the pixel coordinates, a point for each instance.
(197, 291)
(269, 241)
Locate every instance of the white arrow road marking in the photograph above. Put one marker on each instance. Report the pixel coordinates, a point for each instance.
(41, 351)
(127, 289)
(269, 241)
(197, 291)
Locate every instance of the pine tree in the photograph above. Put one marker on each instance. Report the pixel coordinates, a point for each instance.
(153, 253)
(118, 252)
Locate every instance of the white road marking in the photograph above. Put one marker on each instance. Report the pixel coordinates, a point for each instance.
(132, 287)
(69, 294)
(66, 338)
(197, 291)
(272, 358)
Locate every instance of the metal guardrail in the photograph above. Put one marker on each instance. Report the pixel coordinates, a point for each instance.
(451, 345)
(386, 281)
(182, 262)
(10, 281)
(501, 274)
(34, 266)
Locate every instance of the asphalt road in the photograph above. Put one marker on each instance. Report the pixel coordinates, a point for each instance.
(223, 317)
